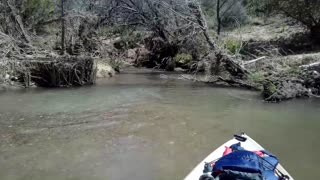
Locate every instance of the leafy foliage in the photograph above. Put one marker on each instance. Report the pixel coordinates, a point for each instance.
(183, 58)
(37, 11)
(257, 7)
(304, 11)
(231, 12)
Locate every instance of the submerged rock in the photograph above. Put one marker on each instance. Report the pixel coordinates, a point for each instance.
(7, 77)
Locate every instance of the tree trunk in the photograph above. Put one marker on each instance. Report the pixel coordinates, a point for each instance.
(63, 30)
(315, 33)
(218, 18)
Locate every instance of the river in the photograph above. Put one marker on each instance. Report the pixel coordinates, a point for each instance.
(142, 125)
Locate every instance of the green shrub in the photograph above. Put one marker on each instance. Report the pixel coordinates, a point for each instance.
(183, 58)
(269, 89)
(37, 11)
(257, 7)
(294, 71)
(257, 77)
(231, 12)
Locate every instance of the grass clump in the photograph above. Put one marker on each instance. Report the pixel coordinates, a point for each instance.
(233, 46)
(257, 77)
(293, 72)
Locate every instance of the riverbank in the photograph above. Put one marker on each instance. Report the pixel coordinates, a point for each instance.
(281, 60)
(282, 63)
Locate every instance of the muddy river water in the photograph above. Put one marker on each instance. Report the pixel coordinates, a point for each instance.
(141, 125)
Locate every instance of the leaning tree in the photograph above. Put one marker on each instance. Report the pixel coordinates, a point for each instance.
(175, 20)
(306, 12)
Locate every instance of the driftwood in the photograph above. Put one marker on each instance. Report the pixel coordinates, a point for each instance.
(255, 60)
(310, 65)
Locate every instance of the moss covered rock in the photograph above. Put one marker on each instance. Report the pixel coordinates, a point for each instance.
(183, 60)
(104, 70)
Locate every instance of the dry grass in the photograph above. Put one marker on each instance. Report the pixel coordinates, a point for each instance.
(282, 63)
(265, 31)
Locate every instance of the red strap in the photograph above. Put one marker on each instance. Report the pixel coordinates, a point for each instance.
(259, 153)
(227, 151)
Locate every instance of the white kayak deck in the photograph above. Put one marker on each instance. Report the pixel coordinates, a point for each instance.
(249, 145)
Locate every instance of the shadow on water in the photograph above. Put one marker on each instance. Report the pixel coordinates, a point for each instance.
(145, 125)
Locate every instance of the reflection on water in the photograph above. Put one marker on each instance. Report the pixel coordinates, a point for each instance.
(141, 126)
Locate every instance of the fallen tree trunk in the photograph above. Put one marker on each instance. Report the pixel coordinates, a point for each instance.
(233, 67)
(218, 80)
(234, 82)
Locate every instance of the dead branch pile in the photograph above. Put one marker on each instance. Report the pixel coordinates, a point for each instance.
(23, 64)
(48, 72)
(42, 68)
(62, 71)
(289, 84)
